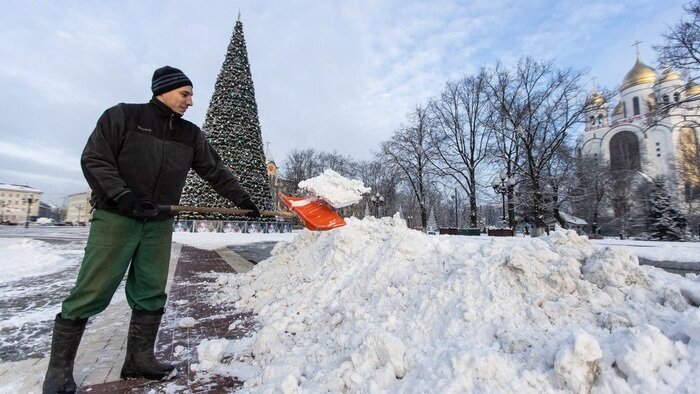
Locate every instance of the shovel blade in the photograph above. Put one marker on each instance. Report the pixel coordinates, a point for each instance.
(315, 215)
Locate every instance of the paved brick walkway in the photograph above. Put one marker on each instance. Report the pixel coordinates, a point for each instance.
(102, 350)
(189, 296)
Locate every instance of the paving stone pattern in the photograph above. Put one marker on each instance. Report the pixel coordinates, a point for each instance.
(189, 296)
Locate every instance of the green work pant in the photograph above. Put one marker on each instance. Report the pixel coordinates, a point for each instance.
(117, 244)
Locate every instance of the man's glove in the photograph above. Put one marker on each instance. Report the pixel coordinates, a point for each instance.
(125, 204)
(249, 205)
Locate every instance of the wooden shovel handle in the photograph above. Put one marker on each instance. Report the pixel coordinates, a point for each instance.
(227, 211)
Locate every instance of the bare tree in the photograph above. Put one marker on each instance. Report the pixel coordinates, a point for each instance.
(592, 187)
(559, 175)
(300, 165)
(460, 137)
(545, 104)
(681, 51)
(506, 124)
(681, 47)
(343, 165)
(380, 178)
(405, 153)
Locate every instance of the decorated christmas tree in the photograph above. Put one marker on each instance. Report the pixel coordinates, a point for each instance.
(233, 129)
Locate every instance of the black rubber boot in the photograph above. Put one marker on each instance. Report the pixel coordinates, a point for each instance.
(64, 346)
(140, 360)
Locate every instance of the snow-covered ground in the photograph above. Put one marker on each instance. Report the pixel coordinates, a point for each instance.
(685, 252)
(374, 306)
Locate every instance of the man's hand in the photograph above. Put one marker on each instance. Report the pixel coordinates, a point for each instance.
(249, 205)
(125, 204)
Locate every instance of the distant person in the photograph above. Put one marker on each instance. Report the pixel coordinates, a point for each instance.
(136, 152)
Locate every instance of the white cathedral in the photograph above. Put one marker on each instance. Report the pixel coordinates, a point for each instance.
(654, 128)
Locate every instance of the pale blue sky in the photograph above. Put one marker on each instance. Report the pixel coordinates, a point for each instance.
(330, 75)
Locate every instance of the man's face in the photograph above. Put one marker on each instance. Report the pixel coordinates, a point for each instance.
(178, 100)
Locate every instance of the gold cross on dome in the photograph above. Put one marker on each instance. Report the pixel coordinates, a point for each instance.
(636, 44)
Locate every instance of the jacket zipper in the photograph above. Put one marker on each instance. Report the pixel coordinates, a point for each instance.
(162, 158)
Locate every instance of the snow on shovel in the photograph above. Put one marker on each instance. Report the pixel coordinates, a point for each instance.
(327, 191)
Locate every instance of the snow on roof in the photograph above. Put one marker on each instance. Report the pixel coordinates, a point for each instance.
(18, 188)
(572, 219)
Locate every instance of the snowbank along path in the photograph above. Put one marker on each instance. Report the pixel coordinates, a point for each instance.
(377, 307)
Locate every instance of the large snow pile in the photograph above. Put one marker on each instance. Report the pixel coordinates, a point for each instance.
(25, 257)
(335, 189)
(376, 307)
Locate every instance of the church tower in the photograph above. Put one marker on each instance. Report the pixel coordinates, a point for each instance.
(270, 165)
(597, 116)
(651, 131)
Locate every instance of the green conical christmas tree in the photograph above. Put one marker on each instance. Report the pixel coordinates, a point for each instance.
(665, 222)
(233, 129)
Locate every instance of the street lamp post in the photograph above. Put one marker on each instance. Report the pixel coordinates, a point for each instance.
(29, 201)
(503, 186)
(377, 200)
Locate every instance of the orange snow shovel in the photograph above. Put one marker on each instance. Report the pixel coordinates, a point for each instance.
(315, 214)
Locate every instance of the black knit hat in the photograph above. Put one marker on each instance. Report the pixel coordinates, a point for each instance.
(168, 78)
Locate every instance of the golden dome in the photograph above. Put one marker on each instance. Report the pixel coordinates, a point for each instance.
(640, 73)
(597, 99)
(618, 109)
(692, 90)
(669, 75)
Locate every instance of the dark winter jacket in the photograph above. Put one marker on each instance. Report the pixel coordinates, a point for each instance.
(148, 149)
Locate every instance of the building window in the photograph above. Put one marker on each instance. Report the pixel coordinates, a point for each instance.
(624, 110)
(635, 106)
(664, 98)
(658, 143)
(600, 119)
(676, 97)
